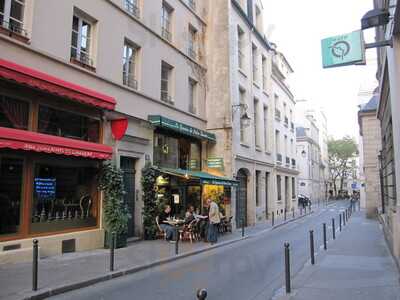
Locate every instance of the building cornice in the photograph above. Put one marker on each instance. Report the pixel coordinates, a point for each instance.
(287, 170)
(283, 87)
(254, 161)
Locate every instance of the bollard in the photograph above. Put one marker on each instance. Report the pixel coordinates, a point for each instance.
(324, 233)
(284, 215)
(293, 212)
(35, 265)
(312, 247)
(287, 268)
(273, 219)
(242, 227)
(340, 222)
(176, 242)
(201, 294)
(344, 219)
(112, 251)
(333, 229)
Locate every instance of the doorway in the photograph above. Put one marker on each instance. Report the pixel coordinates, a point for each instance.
(266, 195)
(128, 167)
(241, 199)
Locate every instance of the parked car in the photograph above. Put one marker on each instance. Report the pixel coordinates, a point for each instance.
(303, 200)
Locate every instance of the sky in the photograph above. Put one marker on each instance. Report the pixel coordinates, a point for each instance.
(297, 27)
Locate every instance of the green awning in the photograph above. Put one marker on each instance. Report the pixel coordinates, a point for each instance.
(163, 122)
(205, 178)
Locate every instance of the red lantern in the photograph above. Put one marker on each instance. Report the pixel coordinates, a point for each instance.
(118, 128)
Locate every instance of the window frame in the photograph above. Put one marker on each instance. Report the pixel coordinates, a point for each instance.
(167, 95)
(166, 21)
(132, 7)
(130, 78)
(192, 96)
(192, 41)
(89, 37)
(6, 19)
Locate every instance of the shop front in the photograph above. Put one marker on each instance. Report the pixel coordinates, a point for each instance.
(180, 155)
(51, 134)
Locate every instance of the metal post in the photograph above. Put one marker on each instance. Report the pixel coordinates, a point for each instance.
(293, 212)
(177, 241)
(112, 251)
(242, 227)
(284, 215)
(35, 265)
(324, 233)
(312, 247)
(273, 219)
(333, 229)
(287, 267)
(344, 219)
(340, 222)
(201, 294)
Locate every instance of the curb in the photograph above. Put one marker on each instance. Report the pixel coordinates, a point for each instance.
(49, 292)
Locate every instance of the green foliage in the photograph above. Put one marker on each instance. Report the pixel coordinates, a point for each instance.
(342, 154)
(115, 211)
(151, 207)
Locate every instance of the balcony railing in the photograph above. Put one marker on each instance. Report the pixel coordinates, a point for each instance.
(132, 8)
(13, 27)
(279, 158)
(166, 34)
(287, 161)
(286, 121)
(192, 4)
(81, 57)
(129, 80)
(166, 97)
(277, 114)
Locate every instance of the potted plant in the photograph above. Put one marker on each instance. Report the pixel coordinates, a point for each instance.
(115, 211)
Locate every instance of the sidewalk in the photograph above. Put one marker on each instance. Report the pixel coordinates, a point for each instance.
(357, 265)
(74, 270)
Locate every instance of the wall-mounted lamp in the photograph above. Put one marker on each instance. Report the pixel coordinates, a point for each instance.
(374, 18)
(244, 117)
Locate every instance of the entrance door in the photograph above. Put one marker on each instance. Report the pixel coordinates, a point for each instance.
(266, 194)
(241, 198)
(287, 196)
(128, 167)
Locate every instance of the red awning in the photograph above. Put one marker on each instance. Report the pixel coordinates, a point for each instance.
(32, 141)
(53, 85)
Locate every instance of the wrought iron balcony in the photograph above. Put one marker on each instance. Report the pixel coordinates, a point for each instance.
(166, 97)
(132, 8)
(13, 27)
(129, 80)
(81, 57)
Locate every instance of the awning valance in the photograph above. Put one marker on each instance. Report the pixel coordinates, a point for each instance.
(32, 141)
(163, 122)
(53, 85)
(205, 178)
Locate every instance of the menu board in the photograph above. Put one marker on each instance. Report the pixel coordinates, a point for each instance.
(45, 188)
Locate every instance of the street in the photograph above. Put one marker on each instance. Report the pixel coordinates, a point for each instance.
(251, 269)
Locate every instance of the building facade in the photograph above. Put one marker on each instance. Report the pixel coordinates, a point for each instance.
(388, 114)
(370, 141)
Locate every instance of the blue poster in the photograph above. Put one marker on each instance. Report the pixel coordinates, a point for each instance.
(45, 188)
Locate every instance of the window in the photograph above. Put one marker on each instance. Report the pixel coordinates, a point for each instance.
(129, 62)
(11, 174)
(266, 147)
(13, 113)
(241, 48)
(64, 197)
(192, 96)
(132, 6)
(278, 142)
(256, 127)
(279, 187)
(166, 16)
(166, 76)
(192, 47)
(66, 124)
(192, 4)
(264, 73)
(258, 176)
(242, 99)
(12, 15)
(81, 41)
(286, 145)
(255, 67)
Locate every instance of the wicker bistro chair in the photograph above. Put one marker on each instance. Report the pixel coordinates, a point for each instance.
(161, 234)
(188, 232)
(227, 224)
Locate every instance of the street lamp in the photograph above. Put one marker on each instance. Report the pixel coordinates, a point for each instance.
(374, 18)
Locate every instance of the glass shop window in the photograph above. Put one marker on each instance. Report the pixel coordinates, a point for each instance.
(13, 113)
(70, 125)
(63, 198)
(165, 151)
(11, 170)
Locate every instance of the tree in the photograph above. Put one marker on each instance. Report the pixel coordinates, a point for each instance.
(342, 154)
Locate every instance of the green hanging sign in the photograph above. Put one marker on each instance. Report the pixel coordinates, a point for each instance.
(343, 50)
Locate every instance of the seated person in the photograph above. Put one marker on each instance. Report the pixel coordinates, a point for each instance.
(164, 216)
(189, 215)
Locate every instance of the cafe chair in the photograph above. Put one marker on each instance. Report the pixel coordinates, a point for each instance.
(188, 232)
(161, 234)
(227, 224)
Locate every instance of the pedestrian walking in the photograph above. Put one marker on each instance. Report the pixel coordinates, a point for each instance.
(214, 220)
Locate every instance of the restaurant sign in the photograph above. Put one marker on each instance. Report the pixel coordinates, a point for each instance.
(343, 50)
(164, 122)
(218, 182)
(215, 163)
